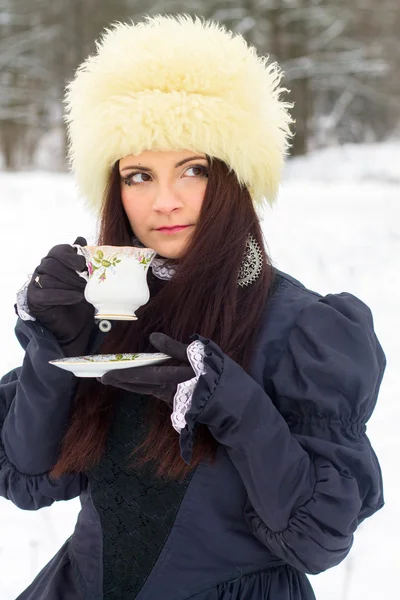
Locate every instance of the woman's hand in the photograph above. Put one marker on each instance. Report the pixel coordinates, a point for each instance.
(158, 381)
(56, 298)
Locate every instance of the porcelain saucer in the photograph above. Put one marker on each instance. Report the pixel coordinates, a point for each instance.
(98, 364)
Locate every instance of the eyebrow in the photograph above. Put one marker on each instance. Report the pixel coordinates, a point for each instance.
(179, 164)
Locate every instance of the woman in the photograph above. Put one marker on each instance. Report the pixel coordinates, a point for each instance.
(244, 464)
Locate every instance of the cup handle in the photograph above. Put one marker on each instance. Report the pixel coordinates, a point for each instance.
(83, 274)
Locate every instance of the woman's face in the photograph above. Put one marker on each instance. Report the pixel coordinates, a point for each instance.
(162, 194)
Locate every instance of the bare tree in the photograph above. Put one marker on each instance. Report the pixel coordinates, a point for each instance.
(340, 60)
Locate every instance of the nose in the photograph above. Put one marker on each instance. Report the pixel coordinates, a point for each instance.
(166, 200)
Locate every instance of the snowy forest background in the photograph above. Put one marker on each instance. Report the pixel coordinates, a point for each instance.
(341, 59)
(335, 226)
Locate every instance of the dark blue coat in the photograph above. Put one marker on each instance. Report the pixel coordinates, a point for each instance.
(295, 473)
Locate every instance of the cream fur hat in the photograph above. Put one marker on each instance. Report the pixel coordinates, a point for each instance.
(177, 83)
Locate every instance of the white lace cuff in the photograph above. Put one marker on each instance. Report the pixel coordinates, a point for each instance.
(22, 302)
(184, 391)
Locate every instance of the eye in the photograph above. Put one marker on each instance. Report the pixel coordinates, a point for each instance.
(200, 170)
(130, 180)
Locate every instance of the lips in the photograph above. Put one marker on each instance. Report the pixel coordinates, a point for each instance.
(173, 229)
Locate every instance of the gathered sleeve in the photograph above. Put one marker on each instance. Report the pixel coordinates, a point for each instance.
(302, 452)
(34, 411)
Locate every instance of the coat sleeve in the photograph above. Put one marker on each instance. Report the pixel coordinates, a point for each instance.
(34, 412)
(302, 453)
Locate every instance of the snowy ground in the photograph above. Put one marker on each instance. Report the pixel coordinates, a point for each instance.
(336, 227)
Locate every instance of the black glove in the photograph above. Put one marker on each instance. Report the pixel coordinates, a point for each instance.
(56, 298)
(159, 381)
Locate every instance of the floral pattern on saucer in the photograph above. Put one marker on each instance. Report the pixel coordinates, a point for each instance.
(103, 358)
(99, 364)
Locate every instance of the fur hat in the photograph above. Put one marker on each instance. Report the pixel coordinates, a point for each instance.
(177, 83)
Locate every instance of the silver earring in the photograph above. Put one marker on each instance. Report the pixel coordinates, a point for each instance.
(252, 264)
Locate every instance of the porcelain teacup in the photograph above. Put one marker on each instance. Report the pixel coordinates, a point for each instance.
(116, 279)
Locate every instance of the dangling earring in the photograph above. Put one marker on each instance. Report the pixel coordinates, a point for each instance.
(252, 264)
(249, 271)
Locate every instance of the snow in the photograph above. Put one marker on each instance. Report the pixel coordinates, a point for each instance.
(336, 228)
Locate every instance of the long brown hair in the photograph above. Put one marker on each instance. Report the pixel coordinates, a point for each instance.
(203, 297)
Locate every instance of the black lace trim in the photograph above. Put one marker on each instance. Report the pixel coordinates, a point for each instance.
(136, 508)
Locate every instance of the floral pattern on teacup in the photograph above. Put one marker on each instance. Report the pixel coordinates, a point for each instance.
(101, 263)
(143, 259)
